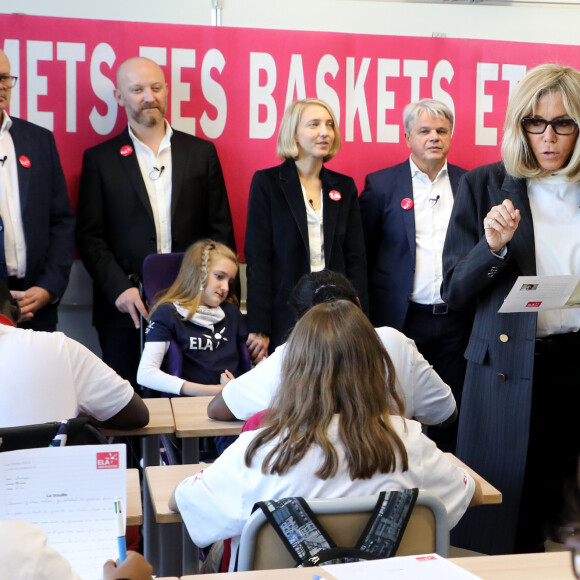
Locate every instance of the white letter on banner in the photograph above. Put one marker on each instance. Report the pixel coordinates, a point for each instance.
(103, 88)
(12, 51)
(355, 99)
(157, 54)
(443, 70)
(38, 85)
(328, 65)
(214, 94)
(180, 92)
(262, 95)
(386, 67)
(513, 73)
(416, 70)
(484, 104)
(295, 80)
(71, 53)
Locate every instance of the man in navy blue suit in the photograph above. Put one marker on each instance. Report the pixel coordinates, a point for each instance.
(36, 219)
(405, 211)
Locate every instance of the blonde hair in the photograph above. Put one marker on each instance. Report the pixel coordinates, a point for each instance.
(287, 148)
(519, 159)
(334, 362)
(193, 274)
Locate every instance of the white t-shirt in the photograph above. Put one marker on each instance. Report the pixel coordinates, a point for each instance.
(24, 554)
(46, 376)
(216, 503)
(427, 398)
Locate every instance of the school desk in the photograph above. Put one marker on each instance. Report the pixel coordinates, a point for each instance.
(162, 480)
(174, 541)
(160, 422)
(547, 566)
(192, 422)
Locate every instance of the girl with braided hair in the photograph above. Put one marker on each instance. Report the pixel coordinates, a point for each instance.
(200, 313)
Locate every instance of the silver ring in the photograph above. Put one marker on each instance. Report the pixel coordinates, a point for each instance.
(490, 222)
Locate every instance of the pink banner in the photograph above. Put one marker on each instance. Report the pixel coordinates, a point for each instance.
(231, 85)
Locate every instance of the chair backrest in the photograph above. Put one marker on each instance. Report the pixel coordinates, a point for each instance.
(79, 432)
(345, 519)
(159, 272)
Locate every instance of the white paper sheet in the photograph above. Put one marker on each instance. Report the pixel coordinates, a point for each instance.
(424, 567)
(68, 492)
(534, 293)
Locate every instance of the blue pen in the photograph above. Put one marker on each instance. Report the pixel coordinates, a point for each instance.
(60, 437)
(121, 542)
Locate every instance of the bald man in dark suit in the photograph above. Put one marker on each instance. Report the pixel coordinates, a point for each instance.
(151, 189)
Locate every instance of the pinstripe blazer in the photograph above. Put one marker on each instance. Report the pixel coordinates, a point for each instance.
(496, 404)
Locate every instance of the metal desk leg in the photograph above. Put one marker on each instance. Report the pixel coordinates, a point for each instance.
(170, 546)
(190, 554)
(150, 527)
(190, 449)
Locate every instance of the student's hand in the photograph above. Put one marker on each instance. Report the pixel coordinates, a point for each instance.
(258, 346)
(31, 301)
(135, 567)
(130, 302)
(226, 377)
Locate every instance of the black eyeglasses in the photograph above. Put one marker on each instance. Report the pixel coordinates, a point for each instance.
(8, 81)
(537, 126)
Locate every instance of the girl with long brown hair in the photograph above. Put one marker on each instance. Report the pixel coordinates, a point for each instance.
(334, 429)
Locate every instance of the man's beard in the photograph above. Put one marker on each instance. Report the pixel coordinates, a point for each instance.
(149, 120)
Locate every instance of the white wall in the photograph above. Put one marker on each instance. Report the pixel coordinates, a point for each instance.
(555, 23)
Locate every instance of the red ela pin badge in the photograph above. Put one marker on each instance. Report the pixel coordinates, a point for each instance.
(126, 150)
(24, 161)
(407, 203)
(335, 195)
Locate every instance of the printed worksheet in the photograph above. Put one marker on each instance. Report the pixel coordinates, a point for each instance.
(69, 493)
(534, 293)
(425, 567)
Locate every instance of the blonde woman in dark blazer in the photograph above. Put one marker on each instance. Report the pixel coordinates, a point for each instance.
(302, 217)
(520, 217)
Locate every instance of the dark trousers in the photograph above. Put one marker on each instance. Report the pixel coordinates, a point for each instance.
(442, 339)
(554, 442)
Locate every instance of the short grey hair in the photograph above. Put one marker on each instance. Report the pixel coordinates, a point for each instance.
(431, 106)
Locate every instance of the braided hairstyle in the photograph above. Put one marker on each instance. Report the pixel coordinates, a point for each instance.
(193, 275)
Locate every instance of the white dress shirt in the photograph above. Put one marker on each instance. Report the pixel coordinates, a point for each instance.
(432, 204)
(14, 242)
(554, 203)
(157, 171)
(315, 233)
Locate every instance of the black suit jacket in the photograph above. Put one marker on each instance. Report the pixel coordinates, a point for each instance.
(47, 217)
(277, 247)
(389, 232)
(115, 225)
(495, 409)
